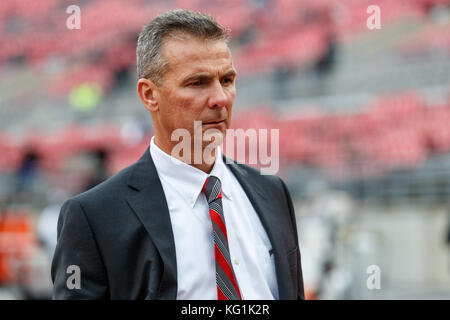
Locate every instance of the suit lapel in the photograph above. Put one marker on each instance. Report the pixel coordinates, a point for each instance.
(151, 208)
(268, 216)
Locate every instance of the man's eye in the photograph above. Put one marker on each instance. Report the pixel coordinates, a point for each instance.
(227, 80)
(195, 83)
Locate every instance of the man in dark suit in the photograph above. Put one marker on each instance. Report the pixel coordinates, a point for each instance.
(172, 226)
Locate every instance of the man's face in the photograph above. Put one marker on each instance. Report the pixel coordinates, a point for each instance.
(198, 86)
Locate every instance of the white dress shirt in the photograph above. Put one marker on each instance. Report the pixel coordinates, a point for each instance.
(250, 247)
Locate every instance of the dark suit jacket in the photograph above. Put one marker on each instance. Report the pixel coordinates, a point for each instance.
(120, 236)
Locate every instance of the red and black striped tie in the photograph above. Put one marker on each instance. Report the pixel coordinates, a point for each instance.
(227, 287)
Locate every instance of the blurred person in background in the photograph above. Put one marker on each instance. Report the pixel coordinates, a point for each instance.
(326, 62)
(164, 228)
(27, 173)
(99, 172)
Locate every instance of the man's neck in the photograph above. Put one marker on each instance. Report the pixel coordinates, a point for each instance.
(202, 165)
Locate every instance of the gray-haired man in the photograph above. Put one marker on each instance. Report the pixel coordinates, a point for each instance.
(171, 226)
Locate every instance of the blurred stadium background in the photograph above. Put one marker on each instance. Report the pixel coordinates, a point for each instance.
(363, 116)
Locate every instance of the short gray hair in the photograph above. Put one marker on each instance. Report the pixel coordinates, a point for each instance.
(150, 63)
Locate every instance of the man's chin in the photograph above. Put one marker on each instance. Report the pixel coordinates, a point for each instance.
(213, 136)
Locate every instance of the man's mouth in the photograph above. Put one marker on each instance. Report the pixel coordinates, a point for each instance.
(213, 121)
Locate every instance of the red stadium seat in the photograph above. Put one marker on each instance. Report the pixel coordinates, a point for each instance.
(17, 240)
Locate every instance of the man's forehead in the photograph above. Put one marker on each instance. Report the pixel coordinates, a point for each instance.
(179, 39)
(196, 54)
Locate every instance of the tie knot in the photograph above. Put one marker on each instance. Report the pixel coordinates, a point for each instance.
(212, 188)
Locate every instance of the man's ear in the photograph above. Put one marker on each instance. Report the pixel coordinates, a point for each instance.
(148, 93)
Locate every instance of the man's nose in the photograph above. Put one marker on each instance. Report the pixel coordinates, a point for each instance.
(217, 98)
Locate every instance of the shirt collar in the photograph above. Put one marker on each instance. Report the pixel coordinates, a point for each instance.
(186, 179)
